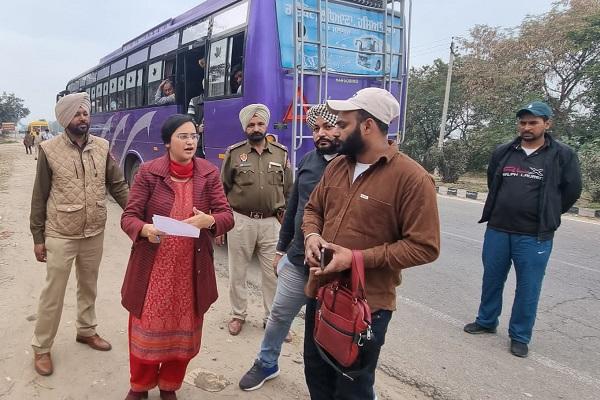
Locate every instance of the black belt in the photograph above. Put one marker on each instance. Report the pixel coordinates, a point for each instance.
(255, 214)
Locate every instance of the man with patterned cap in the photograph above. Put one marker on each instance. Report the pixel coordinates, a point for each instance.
(257, 178)
(68, 215)
(289, 259)
(374, 200)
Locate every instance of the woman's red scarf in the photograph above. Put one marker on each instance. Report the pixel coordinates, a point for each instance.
(181, 171)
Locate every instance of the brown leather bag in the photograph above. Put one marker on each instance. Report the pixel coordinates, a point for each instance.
(343, 320)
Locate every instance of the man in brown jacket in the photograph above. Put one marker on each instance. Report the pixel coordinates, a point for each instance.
(68, 215)
(373, 199)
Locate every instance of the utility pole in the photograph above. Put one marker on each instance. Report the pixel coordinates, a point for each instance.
(446, 98)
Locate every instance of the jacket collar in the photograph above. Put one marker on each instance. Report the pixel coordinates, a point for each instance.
(69, 139)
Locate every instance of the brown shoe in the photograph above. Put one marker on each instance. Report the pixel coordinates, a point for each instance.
(95, 342)
(43, 364)
(235, 326)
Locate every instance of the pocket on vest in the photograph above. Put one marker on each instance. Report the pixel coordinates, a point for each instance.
(70, 218)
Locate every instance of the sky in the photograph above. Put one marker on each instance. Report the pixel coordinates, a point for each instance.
(44, 43)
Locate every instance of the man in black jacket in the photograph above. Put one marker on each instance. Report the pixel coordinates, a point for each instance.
(532, 181)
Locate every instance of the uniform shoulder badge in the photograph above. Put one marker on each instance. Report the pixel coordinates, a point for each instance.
(236, 145)
(279, 145)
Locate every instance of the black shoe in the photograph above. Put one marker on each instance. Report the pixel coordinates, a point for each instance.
(518, 349)
(474, 328)
(257, 376)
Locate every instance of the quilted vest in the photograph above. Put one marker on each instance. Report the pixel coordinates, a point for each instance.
(76, 206)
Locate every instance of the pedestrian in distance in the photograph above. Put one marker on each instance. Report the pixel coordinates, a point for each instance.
(68, 217)
(28, 142)
(257, 179)
(376, 200)
(170, 281)
(47, 135)
(37, 139)
(288, 263)
(532, 180)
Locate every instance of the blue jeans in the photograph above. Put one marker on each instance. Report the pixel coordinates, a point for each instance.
(323, 382)
(289, 299)
(530, 257)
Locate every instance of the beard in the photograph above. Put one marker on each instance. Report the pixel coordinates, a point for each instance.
(78, 130)
(353, 145)
(328, 146)
(256, 136)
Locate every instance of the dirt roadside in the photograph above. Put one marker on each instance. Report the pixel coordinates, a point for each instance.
(82, 373)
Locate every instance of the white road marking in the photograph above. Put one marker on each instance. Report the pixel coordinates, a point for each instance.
(552, 259)
(579, 376)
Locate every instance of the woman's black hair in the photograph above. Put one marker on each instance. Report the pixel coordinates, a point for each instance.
(171, 125)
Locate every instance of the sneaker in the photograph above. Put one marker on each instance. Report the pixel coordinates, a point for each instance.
(518, 349)
(257, 376)
(474, 328)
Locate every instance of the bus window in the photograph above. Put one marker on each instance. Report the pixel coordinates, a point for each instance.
(235, 62)
(225, 68)
(121, 92)
(217, 68)
(93, 99)
(154, 79)
(130, 86)
(99, 98)
(139, 88)
(113, 94)
(105, 96)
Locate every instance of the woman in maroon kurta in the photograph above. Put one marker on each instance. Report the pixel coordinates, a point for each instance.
(170, 281)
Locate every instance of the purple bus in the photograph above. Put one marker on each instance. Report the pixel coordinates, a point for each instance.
(225, 54)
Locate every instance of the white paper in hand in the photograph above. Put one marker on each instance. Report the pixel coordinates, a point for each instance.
(174, 227)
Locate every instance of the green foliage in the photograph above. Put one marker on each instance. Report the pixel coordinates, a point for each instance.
(425, 103)
(590, 170)
(12, 108)
(453, 160)
(554, 57)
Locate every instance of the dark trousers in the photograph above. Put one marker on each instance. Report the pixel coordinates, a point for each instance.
(530, 257)
(323, 382)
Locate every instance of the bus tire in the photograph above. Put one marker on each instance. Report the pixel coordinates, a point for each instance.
(132, 166)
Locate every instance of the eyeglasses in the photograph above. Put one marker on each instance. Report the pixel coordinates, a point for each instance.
(187, 136)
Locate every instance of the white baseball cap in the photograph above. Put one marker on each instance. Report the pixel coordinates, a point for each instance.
(378, 102)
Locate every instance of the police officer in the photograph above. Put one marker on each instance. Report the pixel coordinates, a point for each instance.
(257, 178)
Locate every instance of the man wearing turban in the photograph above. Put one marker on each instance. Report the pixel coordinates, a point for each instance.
(289, 258)
(257, 178)
(68, 215)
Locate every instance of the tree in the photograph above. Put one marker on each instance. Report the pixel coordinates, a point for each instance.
(563, 46)
(424, 112)
(12, 108)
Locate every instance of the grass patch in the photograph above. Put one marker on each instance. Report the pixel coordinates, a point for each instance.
(470, 181)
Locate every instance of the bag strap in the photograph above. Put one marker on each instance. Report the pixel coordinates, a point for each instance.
(351, 375)
(358, 275)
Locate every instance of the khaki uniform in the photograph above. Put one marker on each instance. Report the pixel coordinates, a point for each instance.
(68, 215)
(257, 186)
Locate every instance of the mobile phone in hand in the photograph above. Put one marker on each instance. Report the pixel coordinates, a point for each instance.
(326, 256)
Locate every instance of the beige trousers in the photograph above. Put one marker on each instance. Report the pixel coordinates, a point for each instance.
(250, 235)
(61, 253)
